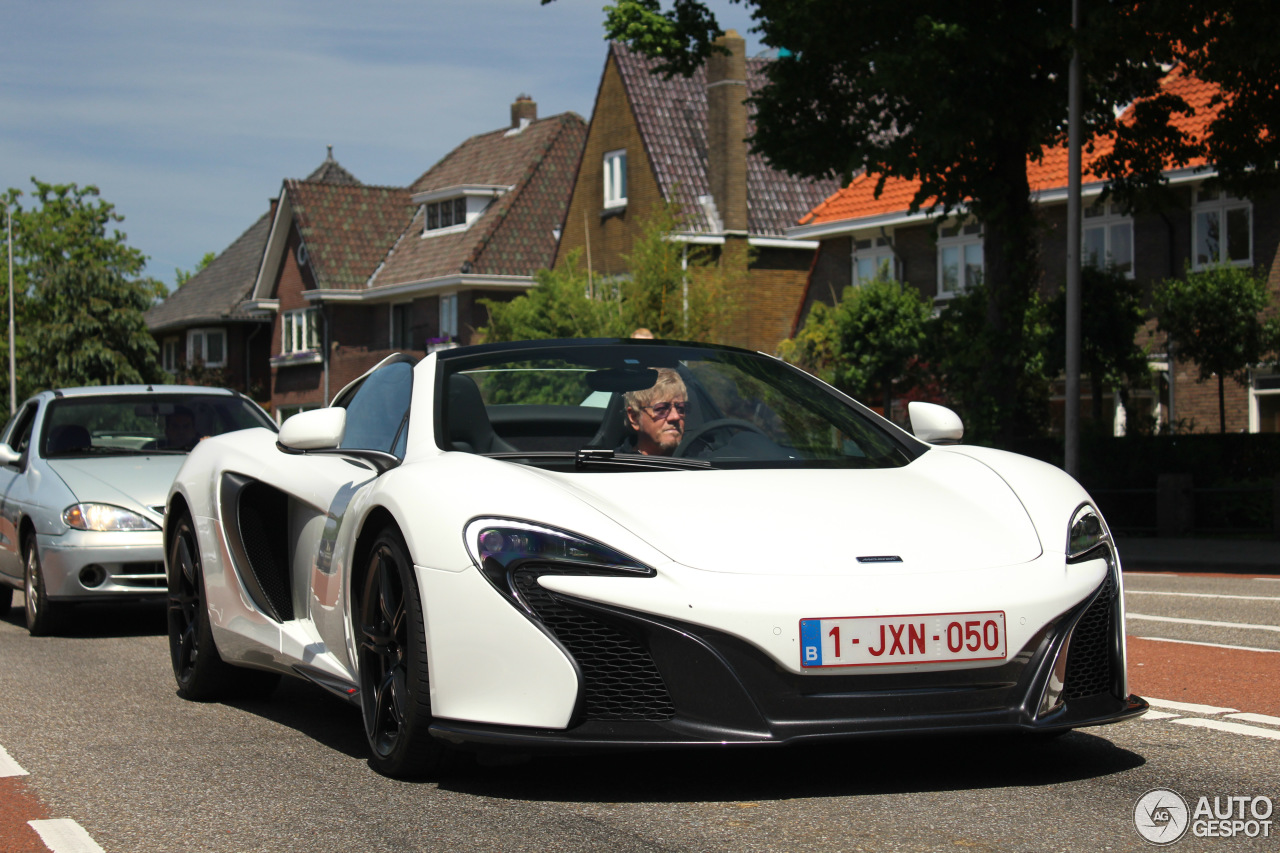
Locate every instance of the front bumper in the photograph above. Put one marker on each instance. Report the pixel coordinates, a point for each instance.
(90, 566)
(648, 681)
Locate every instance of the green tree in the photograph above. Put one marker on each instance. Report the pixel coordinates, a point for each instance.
(181, 276)
(70, 266)
(867, 342)
(561, 304)
(1111, 314)
(958, 96)
(1213, 317)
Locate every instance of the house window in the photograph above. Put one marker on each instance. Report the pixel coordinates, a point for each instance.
(615, 179)
(401, 326)
(1223, 229)
(169, 354)
(960, 261)
(449, 315)
(870, 257)
(300, 331)
(447, 213)
(1108, 239)
(207, 346)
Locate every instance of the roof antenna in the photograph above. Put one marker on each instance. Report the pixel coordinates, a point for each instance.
(330, 157)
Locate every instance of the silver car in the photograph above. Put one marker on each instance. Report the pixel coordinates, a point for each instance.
(83, 477)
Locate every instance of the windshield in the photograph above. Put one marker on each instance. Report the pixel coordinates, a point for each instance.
(142, 423)
(577, 405)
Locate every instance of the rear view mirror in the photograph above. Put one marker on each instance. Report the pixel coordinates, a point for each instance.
(318, 429)
(935, 424)
(622, 379)
(8, 456)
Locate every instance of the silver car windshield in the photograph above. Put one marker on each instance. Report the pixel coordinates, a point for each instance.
(141, 423)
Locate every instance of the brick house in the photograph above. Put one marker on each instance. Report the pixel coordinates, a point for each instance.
(683, 141)
(206, 332)
(351, 273)
(859, 232)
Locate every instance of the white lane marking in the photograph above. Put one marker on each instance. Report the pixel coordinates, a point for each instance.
(1275, 628)
(1189, 707)
(1150, 575)
(9, 767)
(1159, 715)
(1256, 718)
(1223, 726)
(1211, 645)
(1204, 595)
(65, 836)
(1274, 580)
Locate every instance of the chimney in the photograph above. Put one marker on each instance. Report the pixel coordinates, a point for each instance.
(523, 112)
(727, 131)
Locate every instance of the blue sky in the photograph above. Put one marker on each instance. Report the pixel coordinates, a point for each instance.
(188, 115)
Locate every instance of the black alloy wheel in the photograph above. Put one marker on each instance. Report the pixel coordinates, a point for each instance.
(43, 616)
(394, 684)
(201, 673)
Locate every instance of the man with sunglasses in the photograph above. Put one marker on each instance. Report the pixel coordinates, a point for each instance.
(657, 414)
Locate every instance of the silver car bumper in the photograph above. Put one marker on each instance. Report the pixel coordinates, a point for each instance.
(88, 565)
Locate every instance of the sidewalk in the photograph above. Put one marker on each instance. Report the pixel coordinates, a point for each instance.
(1243, 556)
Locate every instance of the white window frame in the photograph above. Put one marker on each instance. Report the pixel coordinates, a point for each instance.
(1106, 221)
(1269, 376)
(198, 346)
(407, 321)
(875, 254)
(169, 354)
(449, 315)
(615, 178)
(962, 239)
(1222, 205)
(299, 331)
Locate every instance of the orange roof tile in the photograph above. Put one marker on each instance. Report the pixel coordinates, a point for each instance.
(858, 200)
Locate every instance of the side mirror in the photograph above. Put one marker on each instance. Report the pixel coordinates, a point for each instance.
(9, 456)
(318, 429)
(935, 424)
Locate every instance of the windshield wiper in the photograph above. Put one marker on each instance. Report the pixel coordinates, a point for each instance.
(599, 456)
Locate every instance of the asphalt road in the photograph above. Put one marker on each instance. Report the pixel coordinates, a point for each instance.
(92, 716)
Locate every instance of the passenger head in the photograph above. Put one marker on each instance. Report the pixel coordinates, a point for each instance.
(657, 414)
(180, 428)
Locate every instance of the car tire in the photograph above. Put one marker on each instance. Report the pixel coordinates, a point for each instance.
(201, 673)
(395, 693)
(44, 617)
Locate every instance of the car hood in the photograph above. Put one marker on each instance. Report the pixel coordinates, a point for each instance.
(126, 481)
(943, 511)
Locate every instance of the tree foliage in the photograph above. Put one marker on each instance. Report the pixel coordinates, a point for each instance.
(867, 342)
(674, 290)
(79, 292)
(181, 276)
(1213, 317)
(1111, 312)
(959, 96)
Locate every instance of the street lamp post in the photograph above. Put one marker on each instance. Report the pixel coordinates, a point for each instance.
(13, 378)
(1071, 408)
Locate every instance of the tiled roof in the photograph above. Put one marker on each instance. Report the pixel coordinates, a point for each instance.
(214, 294)
(331, 172)
(514, 235)
(347, 228)
(858, 200)
(672, 117)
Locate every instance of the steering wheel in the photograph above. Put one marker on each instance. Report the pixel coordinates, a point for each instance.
(699, 433)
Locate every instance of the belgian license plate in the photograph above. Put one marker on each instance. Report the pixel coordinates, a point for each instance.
(888, 640)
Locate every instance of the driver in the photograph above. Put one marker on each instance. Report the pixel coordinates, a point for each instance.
(657, 414)
(180, 429)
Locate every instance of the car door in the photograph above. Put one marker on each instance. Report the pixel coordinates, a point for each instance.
(14, 489)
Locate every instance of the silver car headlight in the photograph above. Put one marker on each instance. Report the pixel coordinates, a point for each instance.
(1086, 535)
(102, 517)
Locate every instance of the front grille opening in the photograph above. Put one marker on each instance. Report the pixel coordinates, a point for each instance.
(1089, 657)
(141, 575)
(620, 679)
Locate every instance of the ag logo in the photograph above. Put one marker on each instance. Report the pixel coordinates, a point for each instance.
(1161, 816)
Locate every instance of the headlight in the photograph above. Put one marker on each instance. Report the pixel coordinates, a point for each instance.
(105, 517)
(1086, 534)
(507, 543)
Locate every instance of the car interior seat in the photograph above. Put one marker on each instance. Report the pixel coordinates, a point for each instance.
(614, 429)
(68, 438)
(469, 426)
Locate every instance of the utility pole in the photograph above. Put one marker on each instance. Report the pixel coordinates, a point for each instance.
(13, 377)
(1071, 408)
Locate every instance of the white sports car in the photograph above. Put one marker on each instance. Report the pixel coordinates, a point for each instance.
(589, 544)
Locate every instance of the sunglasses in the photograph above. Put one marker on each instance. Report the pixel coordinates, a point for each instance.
(662, 411)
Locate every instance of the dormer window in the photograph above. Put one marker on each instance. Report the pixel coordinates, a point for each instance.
(450, 209)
